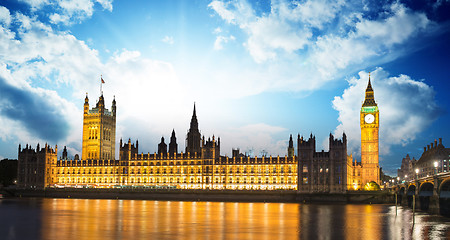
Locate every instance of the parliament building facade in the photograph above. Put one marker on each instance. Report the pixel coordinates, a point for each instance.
(200, 166)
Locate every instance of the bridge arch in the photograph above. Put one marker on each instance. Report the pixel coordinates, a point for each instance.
(401, 193)
(410, 193)
(444, 197)
(425, 194)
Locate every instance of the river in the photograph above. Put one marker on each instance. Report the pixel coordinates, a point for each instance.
(42, 218)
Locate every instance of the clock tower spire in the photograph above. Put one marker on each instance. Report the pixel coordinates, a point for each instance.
(369, 122)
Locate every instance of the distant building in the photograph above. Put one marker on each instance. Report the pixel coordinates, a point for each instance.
(406, 171)
(37, 168)
(435, 153)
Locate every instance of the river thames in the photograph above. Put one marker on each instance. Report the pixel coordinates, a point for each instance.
(140, 219)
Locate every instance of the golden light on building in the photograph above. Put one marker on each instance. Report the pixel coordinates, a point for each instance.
(368, 170)
(201, 166)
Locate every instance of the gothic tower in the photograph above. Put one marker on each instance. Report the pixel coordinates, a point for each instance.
(99, 131)
(291, 147)
(173, 146)
(193, 137)
(369, 122)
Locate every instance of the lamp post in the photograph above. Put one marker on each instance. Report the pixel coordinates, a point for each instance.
(417, 173)
(435, 167)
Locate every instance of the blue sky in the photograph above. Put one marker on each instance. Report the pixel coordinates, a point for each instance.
(257, 70)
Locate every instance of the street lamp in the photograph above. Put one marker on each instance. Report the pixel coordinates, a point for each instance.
(435, 167)
(417, 173)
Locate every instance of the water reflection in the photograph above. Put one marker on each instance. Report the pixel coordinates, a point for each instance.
(137, 219)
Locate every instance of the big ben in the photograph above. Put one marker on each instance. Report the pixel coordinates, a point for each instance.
(370, 122)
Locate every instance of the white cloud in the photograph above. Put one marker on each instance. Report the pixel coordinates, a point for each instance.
(36, 4)
(56, 18)
(314, 13)
(220, 40)
(69, 11)
(407, 106)
(106, 4)
(393, 30)
(221, 9)
(217, 30)
(5, 16)
(302, 49)
(168, 40)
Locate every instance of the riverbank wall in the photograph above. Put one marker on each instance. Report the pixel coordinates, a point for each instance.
(378, 197)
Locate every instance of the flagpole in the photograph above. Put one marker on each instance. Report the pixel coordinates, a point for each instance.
(101, 91)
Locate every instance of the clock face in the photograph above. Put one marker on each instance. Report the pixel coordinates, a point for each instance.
(369, 118)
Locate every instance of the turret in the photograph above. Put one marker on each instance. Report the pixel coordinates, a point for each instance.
(173, 146)
(86, 104)
(101, 104)
(113, 108)
(162, 147)
(291, 147)
(64, 153)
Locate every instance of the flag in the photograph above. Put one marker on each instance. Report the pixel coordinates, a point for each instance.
(103, 81)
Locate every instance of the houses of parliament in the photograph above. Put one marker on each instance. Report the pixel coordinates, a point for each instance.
(201, 166)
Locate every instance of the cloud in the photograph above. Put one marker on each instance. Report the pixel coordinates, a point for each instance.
(301, 48)
(168, 40)
(220, 40)
(407, 107)
(33, 113)
(5, 16)
(69, 11)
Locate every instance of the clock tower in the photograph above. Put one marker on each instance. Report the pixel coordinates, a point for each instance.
(369, 121)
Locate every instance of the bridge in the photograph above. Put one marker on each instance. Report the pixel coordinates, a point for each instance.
(432, 193)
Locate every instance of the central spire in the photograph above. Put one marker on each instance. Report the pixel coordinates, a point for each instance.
(194, 121)
(194, 114)
(193, 137)
(370, 99)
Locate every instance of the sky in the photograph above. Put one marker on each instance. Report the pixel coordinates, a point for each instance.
(257, 71)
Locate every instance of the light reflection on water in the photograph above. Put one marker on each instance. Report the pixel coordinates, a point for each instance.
(139, 219)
